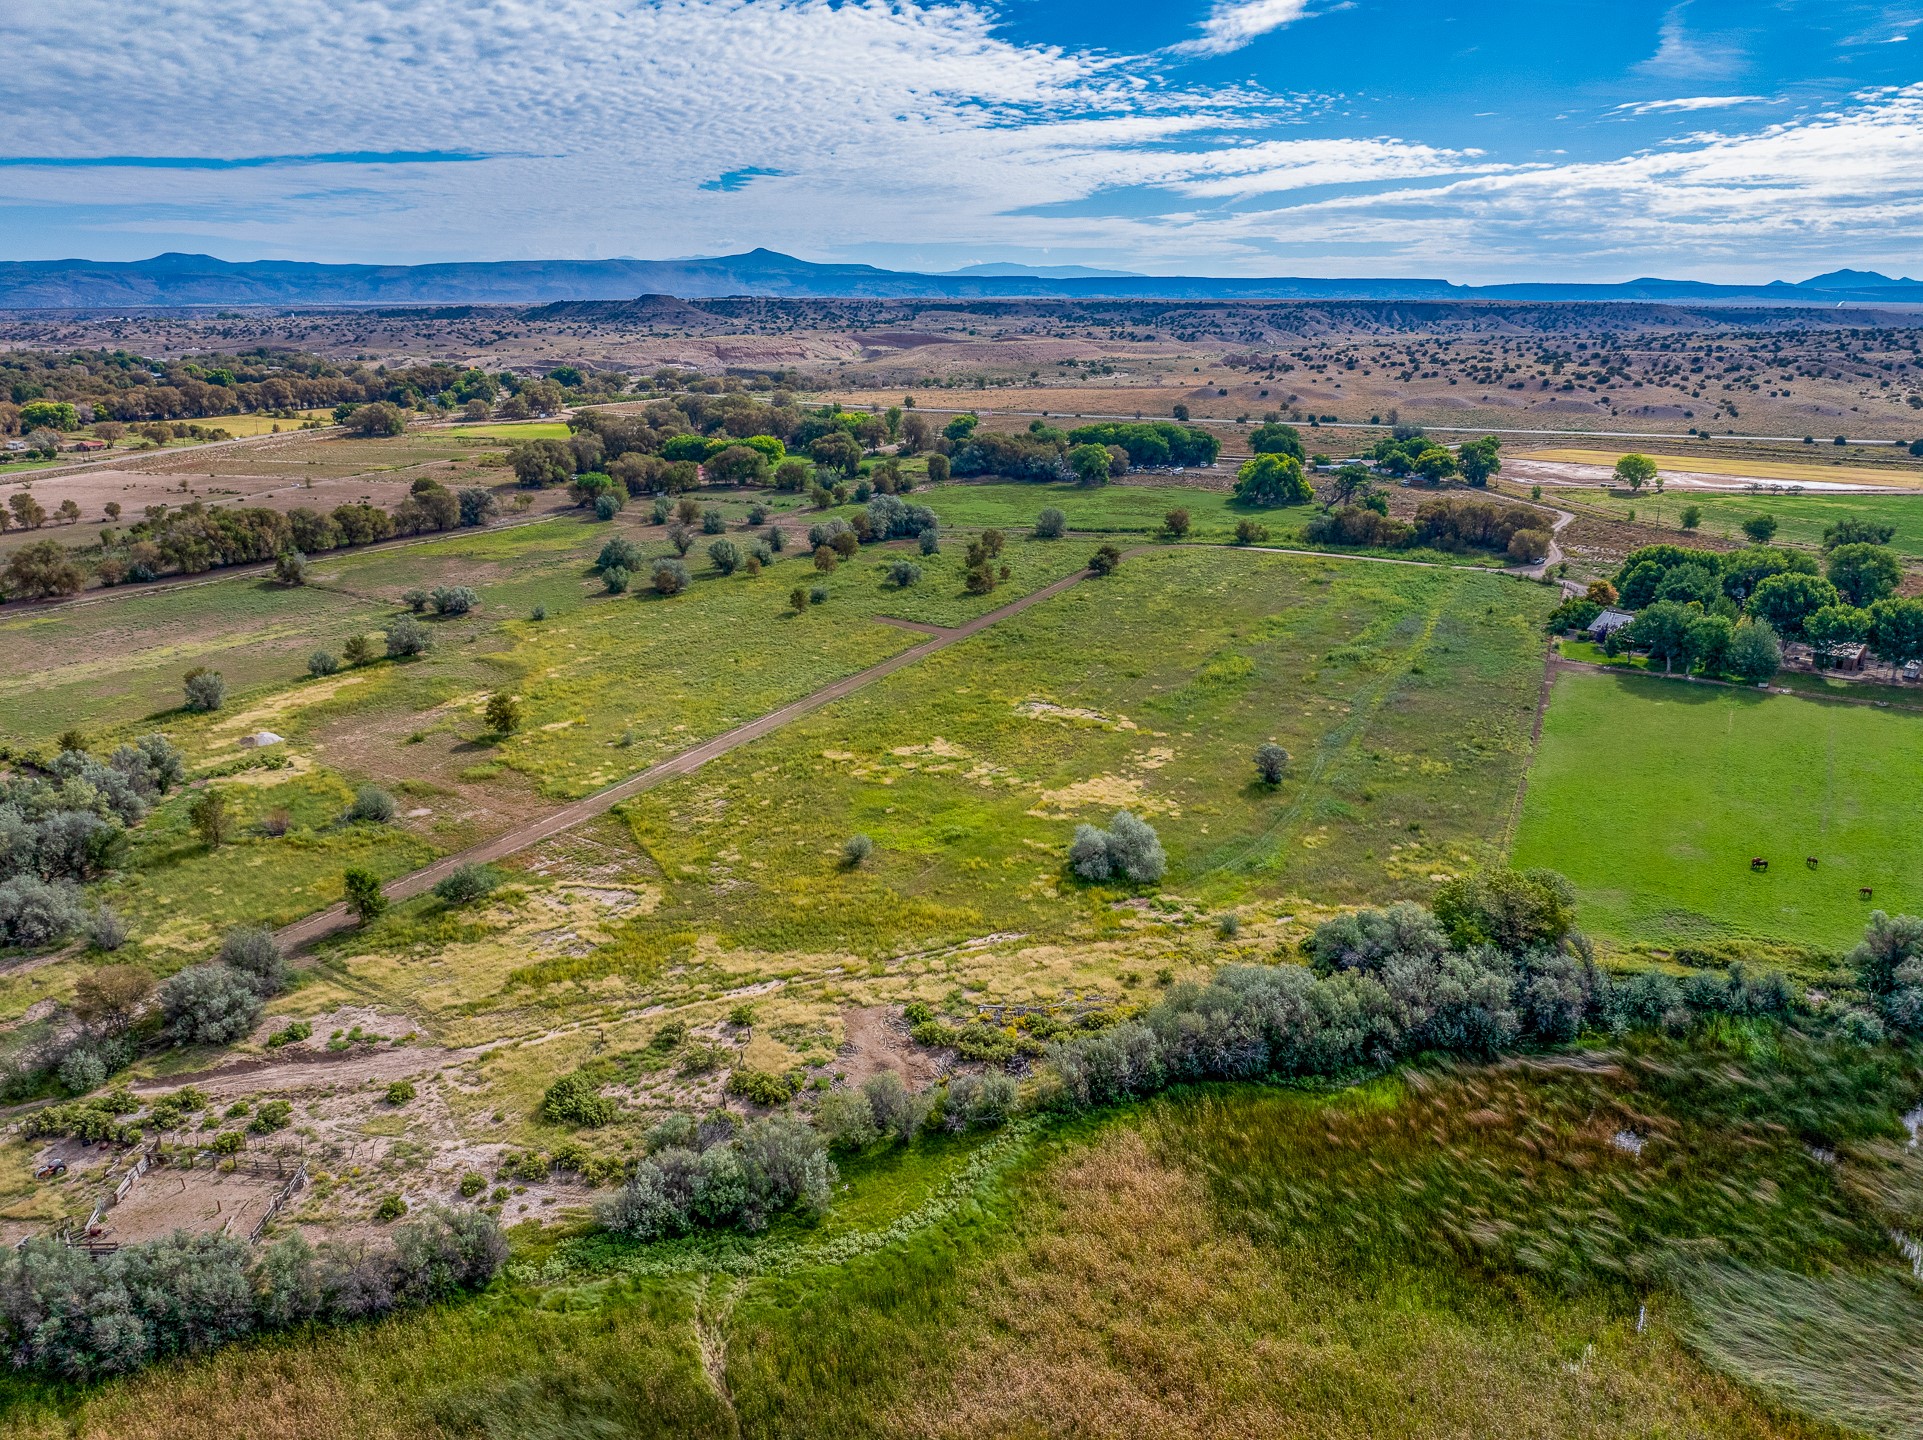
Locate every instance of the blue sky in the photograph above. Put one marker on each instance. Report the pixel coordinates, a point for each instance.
(1474, 141)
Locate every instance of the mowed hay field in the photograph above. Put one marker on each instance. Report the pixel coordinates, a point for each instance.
(1653, 796)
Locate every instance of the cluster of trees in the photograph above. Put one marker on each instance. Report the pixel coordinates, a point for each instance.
(1889, 969)
(1152, 444)
(1496, 965)
(220, 1002)
(1446, 522)
(1848, 600)
(100, 385)
(68, 824)
(195, 538)
(1410, 452)
(732, 439)
(69, 1314)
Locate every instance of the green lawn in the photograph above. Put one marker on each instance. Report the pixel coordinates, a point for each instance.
(1800, 519)
(1652, 797)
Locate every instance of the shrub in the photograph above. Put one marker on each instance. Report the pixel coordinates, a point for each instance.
(273, 1115)
(1051, 524)
(607, 506)
(1105, 561)
(228, 1142)
(82, 1070)
(620, 550)
(1175, 524)
(817, 594)
(1128, 849)
(205, 689)
(903, 574)
(1271, 763)
(575, 1099)
(253, 952)
(290, 568)
(363, 893)
(290, 1034)
(713, 522)
(322, 662)
(898, 1113)
(845, 1119)
(929, 541)
(400, 1092)
(453, 599)
(106, 930)
(725, 556)
(405, 637)
(392, 1207)
(670, 577)
(35, 913)
(538, 613)
(978, 1102)
(211, 816)
(825, 559)
(209, 1005)
(1250, 532)
(503, 713)
(798, 599)
(856, 851)
(472, 1185)
(371, 803)
(615, 579)
(415, 600)
(758, 1087)
(467, 884)
(358, 650)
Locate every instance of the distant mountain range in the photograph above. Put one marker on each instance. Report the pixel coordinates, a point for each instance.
(189, 280)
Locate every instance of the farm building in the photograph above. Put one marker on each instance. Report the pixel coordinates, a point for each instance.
(1610, 620)
(1849, 658)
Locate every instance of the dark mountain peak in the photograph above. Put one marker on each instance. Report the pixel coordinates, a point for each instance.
(1854, 280)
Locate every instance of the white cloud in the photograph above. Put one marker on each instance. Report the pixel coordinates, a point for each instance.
(1692, 102)
(1679, 53)
(870, 129)
(1235, 23)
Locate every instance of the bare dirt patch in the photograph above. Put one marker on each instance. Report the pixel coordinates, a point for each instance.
(875, 1039)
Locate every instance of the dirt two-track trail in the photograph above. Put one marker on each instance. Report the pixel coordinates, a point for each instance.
(511, 842)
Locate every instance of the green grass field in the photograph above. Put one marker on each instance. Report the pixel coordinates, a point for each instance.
(1652, 797)
(1800, 519)
(1404, 695)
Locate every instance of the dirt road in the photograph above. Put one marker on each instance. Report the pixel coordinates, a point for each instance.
(305, 932)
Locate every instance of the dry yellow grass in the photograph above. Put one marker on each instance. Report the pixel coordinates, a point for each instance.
(1135, 1313)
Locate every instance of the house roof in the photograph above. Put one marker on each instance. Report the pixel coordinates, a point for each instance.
(1610, 620)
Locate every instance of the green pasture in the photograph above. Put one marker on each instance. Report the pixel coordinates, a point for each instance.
(1404, 695)
(1653, 797)
(1800, 519)
(515, 430)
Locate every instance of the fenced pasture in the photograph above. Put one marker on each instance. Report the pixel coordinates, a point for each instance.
(1653, 797)
(1800, 519)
